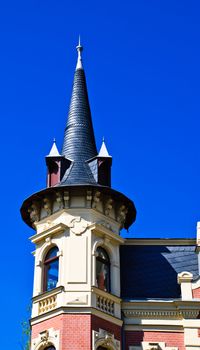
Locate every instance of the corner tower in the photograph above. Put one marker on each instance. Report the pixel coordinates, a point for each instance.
(77, 220)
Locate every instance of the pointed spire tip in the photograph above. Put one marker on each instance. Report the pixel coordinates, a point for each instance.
(79, 49)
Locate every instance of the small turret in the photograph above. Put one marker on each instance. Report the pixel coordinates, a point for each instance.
(101, 166)
(56, 166)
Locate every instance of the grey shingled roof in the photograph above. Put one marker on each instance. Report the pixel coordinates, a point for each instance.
(79, 141)
(151, 271)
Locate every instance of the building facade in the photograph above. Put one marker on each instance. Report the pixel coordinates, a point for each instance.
(94, 289)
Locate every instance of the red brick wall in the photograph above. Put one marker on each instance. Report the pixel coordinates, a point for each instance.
(75, 331)
(97, 323)
(170, 338)
(196, 293)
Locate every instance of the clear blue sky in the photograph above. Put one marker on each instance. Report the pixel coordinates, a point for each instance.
(142, 65)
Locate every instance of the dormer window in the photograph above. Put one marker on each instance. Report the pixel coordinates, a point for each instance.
(103, 270)
(51, 265)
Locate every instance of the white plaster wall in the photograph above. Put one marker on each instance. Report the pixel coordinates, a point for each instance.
(77, 245)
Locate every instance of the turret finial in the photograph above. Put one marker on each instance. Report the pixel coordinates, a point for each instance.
(79, 48)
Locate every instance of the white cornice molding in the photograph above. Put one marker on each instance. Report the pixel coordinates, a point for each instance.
(155, 241)
(52, 230)
(75, 310)
(155, 314)
(102, 230)
(48, 294)
(162, 310)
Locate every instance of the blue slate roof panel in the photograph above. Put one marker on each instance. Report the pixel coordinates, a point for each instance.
(151, 271)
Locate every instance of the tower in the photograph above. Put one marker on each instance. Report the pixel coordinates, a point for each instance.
(77, 220)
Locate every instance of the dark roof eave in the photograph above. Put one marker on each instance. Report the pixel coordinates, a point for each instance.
(131, 215)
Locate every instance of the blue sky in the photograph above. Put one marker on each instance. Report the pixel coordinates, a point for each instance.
(142, 65)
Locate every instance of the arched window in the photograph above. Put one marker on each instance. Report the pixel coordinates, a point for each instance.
(103, 270)
(51, 264)
(51, 347)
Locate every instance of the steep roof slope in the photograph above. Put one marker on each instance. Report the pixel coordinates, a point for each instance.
(150, 271)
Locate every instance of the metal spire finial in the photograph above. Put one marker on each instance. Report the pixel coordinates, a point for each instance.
(79, 48)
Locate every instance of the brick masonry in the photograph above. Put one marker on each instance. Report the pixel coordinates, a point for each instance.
(76, 330)
(97, 323)
(175, 339)
(196, 293)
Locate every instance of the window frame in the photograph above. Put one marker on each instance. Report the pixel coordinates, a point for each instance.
(106, 263)
(46, 263)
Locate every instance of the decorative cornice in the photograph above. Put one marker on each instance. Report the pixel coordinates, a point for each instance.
(110, 203)
(161, 314)
(100, 227)
(164, 241)
(161, 310)
(51, 229)
(48, 294)
(76, 310)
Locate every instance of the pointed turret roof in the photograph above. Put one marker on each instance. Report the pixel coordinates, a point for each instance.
(79, 170)
(79, 141)
(54, 150)
(103, 150)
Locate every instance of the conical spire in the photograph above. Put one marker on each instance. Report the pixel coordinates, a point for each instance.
(79, 141)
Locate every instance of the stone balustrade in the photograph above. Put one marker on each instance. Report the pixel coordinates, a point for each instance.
(47, 304)
(106, 302)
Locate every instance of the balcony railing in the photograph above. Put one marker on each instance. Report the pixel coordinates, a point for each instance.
(47, 304)
(46, 301)
(106, 302)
